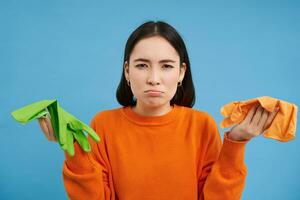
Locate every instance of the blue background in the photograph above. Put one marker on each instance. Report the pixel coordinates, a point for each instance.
(73, 51)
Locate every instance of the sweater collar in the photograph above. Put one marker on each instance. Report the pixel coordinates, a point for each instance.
(151, 120)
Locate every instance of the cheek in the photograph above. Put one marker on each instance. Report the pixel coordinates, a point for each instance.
(171, 80)
(137, 80)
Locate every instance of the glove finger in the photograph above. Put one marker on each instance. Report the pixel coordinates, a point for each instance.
(70, 143)
(91, 132)
(63, 135)
(75, 124)
(60, 125)
(31, 111)
(79, 125)
(57, 120)
(42, 114)
(82, 140)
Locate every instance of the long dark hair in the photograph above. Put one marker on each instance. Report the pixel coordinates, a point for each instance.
(185, 94)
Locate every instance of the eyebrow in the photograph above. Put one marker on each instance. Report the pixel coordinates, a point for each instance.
(161, 61)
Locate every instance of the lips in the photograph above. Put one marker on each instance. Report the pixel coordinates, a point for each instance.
(153, 93)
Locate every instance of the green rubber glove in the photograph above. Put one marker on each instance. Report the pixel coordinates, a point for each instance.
(66, 126)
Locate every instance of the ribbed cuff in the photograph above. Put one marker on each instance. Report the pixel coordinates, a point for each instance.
(232, 153)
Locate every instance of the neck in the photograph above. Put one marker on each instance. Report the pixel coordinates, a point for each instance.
(152, 111)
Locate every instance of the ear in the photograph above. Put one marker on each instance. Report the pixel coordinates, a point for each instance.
(126, 70)
(182, 71)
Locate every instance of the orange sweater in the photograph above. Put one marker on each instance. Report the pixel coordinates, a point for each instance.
(178, 155)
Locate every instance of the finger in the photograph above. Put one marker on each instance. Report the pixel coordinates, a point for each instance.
(52, 137)
(44, 127)
(250, 114)
(50, 128)
(270, 119)
(263, 120)
(49, 125)
(257, 115)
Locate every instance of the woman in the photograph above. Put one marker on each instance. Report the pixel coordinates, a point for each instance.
(156, 146)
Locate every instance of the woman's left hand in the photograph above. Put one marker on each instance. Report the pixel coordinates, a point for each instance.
(255, 123)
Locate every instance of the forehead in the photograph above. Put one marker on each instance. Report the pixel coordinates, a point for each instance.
(154, 48)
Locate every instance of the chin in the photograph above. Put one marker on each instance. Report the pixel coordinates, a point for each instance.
(156, 104)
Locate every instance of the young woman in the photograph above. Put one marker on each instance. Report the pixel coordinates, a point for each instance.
(156, 147)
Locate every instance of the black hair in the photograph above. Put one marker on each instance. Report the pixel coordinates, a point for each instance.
(185, 94)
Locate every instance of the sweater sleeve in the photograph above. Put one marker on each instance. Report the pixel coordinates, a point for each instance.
(87, 175)
(224, 171)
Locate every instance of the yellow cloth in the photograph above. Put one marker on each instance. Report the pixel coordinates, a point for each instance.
(282, 128)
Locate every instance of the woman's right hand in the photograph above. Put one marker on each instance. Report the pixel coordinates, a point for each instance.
(47, 128)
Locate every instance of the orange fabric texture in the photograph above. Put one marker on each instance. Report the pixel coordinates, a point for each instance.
(282, 128)
(178, 155)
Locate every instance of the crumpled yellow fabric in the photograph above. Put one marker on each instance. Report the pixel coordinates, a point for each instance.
(282, 128)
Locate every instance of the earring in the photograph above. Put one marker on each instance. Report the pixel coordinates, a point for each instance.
(128, 83)
(179, 83)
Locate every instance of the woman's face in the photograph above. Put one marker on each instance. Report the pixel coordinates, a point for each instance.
(154, 65)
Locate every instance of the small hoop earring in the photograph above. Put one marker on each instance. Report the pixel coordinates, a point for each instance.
(179, 84)
(128, 83)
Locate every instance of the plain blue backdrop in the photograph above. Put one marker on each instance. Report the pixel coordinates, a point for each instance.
(73, 51)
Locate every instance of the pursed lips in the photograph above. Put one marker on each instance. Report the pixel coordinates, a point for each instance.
(154, 91)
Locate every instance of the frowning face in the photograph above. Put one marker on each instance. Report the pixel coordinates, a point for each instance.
(154, 65)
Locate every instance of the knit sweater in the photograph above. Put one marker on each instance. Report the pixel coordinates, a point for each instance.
(178, 156)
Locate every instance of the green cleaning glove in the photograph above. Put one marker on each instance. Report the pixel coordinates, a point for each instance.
(66, 126)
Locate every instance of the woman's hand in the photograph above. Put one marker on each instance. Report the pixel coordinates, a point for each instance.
(255, 123)
(47, 128)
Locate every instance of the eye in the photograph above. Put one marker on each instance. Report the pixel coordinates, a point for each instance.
(168, 66)
(140, 65)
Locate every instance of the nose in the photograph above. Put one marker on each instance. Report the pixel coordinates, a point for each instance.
(153, 77)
